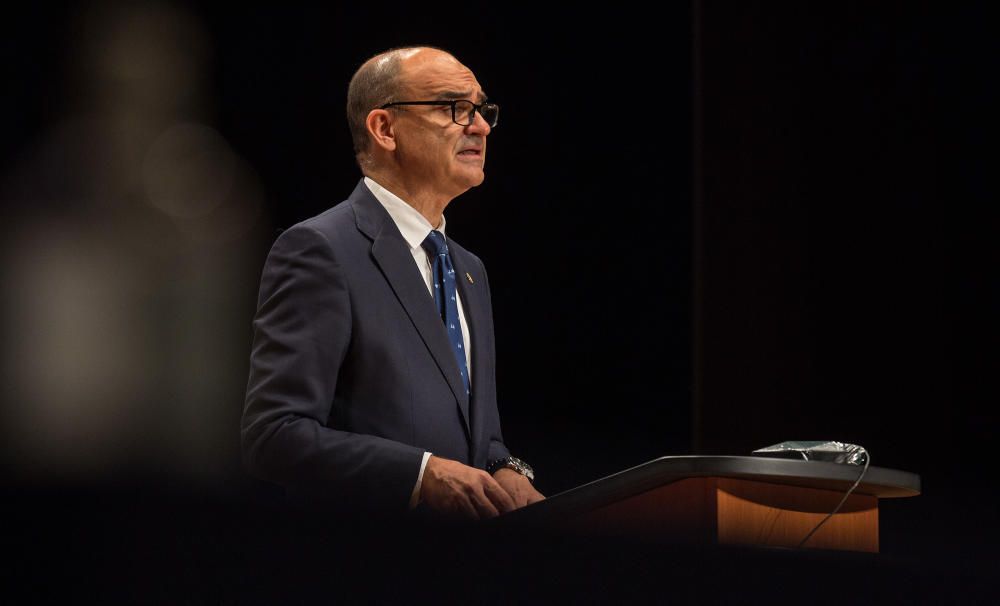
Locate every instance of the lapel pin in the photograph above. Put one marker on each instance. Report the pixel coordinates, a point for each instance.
(469, 278)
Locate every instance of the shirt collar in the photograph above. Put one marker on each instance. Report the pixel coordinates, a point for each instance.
(412, 225)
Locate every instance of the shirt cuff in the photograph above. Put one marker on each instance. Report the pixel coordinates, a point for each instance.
(415, 496)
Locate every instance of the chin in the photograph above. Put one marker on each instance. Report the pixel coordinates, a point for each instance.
(470, 178)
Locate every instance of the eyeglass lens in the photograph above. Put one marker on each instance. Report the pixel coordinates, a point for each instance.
(464, 113)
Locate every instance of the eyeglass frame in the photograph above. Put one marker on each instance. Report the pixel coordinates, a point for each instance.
(476, 108)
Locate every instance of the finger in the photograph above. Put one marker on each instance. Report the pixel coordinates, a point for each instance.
(466, 509)
(498, 495)
(483, 505)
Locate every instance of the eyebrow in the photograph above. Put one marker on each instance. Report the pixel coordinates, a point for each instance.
(451, 94)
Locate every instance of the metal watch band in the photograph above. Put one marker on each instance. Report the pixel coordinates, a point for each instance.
(512, 463)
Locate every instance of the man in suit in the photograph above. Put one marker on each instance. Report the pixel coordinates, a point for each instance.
(372, 369)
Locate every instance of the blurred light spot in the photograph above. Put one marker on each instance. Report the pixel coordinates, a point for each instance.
(188, 171)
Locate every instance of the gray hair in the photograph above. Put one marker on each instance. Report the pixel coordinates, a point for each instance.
(376, 83)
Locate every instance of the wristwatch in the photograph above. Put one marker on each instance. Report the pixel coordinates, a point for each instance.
(512, 463)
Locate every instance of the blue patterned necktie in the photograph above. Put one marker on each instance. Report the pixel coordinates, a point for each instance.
(446, 298)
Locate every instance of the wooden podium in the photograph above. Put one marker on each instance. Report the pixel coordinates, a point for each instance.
(728, 500)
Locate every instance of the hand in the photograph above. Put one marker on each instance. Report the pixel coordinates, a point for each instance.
(518, 487)
(452, 488)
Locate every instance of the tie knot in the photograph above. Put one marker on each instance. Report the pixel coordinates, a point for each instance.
(435, 243)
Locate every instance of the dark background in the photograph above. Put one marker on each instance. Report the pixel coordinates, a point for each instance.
(706, 232)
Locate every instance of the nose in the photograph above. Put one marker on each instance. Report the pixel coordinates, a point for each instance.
(478, 126)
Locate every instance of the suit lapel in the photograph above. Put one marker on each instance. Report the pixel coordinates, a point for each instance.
(472, 305)
(392, 254)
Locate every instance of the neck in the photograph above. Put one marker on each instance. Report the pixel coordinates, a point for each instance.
(427, 201)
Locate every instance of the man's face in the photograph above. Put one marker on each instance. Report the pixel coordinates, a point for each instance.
(432, 150)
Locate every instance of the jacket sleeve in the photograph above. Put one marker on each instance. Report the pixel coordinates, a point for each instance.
(301, 335)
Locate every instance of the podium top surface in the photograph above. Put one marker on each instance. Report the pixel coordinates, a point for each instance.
(879, 482)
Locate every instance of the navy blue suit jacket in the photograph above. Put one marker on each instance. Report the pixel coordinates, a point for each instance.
(352, 376)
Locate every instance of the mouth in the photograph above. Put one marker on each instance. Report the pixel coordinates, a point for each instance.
(471, 152)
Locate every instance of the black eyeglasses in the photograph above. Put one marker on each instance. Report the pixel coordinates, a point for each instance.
(462, 110)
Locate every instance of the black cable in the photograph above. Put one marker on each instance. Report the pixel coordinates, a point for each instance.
(842, 501)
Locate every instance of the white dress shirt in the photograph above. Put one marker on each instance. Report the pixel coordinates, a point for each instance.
(415, 227)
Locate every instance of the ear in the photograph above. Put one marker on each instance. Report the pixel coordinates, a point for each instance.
(381, 128)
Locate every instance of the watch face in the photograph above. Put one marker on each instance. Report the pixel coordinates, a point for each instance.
(523, 468)
(514, 464)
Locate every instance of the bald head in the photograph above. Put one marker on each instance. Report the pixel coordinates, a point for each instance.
(384, 78)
